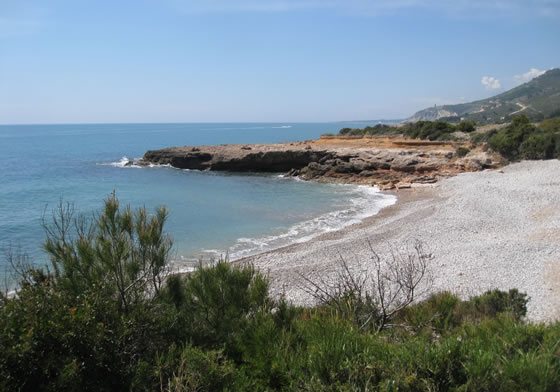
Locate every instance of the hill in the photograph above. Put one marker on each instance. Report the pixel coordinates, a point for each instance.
(538, 99)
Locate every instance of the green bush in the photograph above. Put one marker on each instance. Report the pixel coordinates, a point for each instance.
(430, 130)
(218, 329)
(445, 311)
(551, 125)
(494, 302)
(483, 137)
(462, 151)
(538, 146)
(88, 324)
(466, 126)
(216, 302)
(523, 140)
(439, 312)
(193, 369)
(378, 129)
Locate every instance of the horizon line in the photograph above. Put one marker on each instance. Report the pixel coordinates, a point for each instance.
(196, 122)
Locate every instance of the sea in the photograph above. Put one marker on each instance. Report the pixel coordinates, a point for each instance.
(212, 215)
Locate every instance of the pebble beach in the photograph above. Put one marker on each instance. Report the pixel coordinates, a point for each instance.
(484, 230)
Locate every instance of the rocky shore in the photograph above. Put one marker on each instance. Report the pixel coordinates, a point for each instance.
(389, 162)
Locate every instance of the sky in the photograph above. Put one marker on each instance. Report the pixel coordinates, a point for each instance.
(75, 61)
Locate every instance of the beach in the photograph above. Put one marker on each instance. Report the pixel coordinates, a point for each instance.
(495, 229)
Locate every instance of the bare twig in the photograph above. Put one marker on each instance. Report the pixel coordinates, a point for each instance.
(373, 298)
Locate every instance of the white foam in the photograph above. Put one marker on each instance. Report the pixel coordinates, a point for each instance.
(126, 163)
(367, 202)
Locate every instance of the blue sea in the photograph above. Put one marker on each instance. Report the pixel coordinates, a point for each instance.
(211, 214)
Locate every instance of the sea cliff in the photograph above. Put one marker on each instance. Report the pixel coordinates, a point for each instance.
(388, 162)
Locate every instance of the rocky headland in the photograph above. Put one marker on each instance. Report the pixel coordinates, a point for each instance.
(389, 162)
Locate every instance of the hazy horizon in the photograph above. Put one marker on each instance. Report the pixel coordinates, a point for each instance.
(203, 122)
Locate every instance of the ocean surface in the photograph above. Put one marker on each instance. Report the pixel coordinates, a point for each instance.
(211, 214)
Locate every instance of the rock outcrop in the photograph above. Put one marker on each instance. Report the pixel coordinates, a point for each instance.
(382, 161)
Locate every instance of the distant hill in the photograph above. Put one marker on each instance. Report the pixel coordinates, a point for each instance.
(538, 99)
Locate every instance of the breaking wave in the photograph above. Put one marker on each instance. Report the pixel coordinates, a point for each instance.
(365, 202)
(126, 163)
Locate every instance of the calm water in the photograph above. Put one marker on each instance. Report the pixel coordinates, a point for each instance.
(210, 213)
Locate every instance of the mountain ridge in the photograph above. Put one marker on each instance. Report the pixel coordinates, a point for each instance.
(538, 99)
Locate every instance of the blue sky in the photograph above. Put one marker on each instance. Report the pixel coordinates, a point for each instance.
(269, 60)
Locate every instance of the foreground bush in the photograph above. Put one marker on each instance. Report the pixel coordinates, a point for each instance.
(109, 319)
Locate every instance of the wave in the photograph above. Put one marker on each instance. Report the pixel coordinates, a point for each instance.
(124, 162)
(127, 163)
(367, 202)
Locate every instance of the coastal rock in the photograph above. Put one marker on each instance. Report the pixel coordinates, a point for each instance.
(404, 164)
(425, 180)
(384, 162)
(235, 158)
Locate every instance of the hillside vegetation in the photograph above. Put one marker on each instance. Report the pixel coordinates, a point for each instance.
(537, 99)
(520, 139)
(523, 140)
(427, 130)
(107, 317)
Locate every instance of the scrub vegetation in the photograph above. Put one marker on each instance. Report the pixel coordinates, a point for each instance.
(519, 140)
(108, 316)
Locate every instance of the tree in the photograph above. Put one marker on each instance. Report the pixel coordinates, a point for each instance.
(92, 319)
(122, 252)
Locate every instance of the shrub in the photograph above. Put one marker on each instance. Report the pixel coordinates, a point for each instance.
(445, 311)
(378, 129)
(537, 147)
(466, 126)
(430, 130)
(522, 140)
(462, 151)
(88, 324)
(483, 137)
(216, 302)
(550, 125)
(218, 329)
(494, 302)
(193, 369)
(121, 252)
(373, 299)
(439, 311)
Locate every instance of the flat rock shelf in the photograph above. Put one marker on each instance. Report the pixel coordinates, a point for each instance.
(389, 162)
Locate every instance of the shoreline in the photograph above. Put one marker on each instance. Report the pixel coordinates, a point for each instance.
(495, 229)
(367, 202)
(403, 196)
